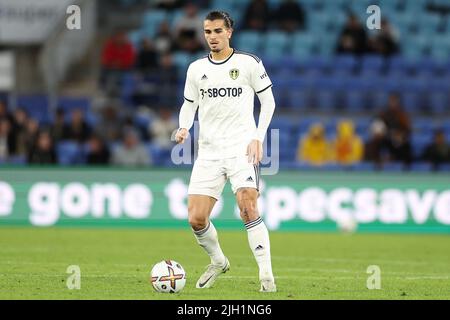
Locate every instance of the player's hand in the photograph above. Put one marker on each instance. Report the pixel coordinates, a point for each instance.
(181, 135)
(255, 152)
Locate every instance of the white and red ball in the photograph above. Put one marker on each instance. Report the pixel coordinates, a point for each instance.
(168, 276)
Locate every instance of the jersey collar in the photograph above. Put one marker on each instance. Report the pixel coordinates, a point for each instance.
(222, 62)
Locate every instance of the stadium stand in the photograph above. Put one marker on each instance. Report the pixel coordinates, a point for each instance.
(311, 81)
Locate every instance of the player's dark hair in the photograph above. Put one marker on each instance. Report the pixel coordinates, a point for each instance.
(221, 15)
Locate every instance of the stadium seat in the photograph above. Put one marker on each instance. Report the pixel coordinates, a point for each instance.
(37, 106)
(249, 41)
(373, 63)
(421, 166)
(135, 37)
(299, 99)
(345, 63)
(429, 24)
(363, 166)
(355, 100)
(438, 102)
(69, 153)
(393, 167)
(68, 104)
(275, 44)
(153, 18)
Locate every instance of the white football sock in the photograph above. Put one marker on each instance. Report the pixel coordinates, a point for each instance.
(258, 239)
(208, 239)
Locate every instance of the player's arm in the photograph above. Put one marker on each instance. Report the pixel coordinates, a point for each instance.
(188, 109)
(263, 88)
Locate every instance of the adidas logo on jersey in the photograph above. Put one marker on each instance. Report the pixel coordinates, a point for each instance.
(249, 179)
(204, 77)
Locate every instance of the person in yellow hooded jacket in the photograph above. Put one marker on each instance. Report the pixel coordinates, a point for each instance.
(314, 148)
(347, 147)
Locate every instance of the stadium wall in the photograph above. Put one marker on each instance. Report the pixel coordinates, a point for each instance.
(290, 200)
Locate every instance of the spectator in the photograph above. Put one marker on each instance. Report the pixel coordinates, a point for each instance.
(110, 125)
(353, 38)
(6, 139)
(400, 147)
(31, 133)
(168, 4)
(347, 147)
(314, 148)
(117, 56)
(257, 15)
(131, 152)
(78, 129)
(20, 131)
(4, 112)
(163, 39)
(167, 81)
(59, 129)
(395, 117)
(147, 59)
(118, 53)
(98, 153)
(43, 151)
(377, 147)
(290, 16)
(438, 151)
(385, 41)
(189, 30)
(162, 128)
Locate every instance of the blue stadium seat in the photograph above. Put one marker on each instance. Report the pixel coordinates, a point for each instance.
(153, 18)
(68, 104)
(37, 106)
(182, 60)
(355, 100)
(363, 166)
(70, 153)
(346, 63)
(135, 37)
(393, 167)
(373, 62)
(299, 99)
(249, 41)
(325, 99)
(275, 44)
(421, 166)
(412, 100)
(419, 141)
(415, 7)
(439, 102)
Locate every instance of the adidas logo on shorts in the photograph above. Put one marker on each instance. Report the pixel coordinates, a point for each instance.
(249, 179)
(204, 77)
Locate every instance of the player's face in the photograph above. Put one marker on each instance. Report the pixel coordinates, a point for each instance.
(217, 35)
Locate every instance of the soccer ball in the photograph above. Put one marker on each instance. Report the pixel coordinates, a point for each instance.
(168, 276)
(347, 224)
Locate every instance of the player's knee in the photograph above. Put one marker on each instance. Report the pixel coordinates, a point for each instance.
(196, 219)
(197, 223)
(247, 205)
(249, 213)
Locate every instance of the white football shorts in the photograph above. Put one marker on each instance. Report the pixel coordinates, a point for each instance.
(210, 176)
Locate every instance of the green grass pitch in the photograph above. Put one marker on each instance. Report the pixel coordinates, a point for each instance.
(115, 264)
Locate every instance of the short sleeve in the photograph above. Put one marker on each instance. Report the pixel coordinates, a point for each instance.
(190, 87)
(260, 78)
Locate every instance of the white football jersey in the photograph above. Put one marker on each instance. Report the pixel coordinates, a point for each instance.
(224, 92)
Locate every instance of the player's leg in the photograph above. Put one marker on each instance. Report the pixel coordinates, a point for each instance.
(258, 235)
(200, 207)
(205, 187)
(244, 178)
